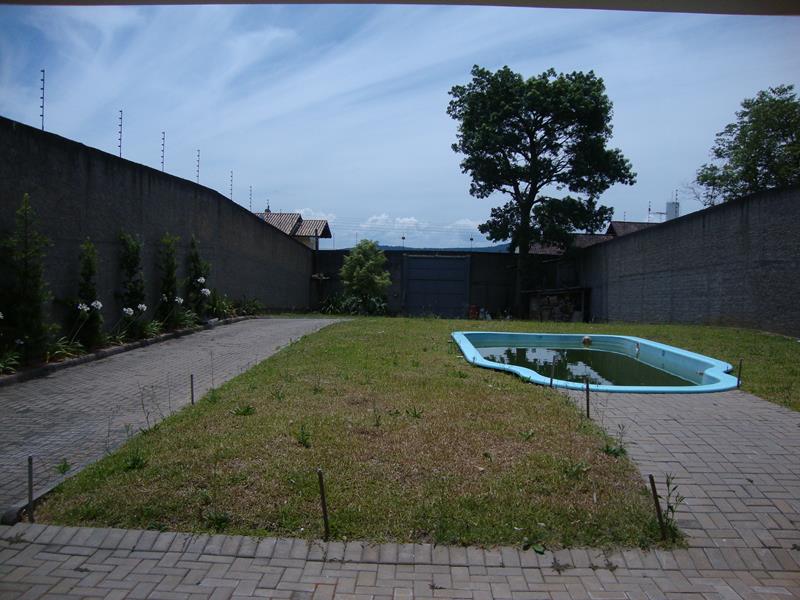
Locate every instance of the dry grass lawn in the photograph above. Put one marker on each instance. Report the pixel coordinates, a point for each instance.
(416, 445)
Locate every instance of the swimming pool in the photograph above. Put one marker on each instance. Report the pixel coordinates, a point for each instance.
(612, 363)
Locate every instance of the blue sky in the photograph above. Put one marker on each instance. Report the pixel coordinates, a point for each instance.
(340, 111)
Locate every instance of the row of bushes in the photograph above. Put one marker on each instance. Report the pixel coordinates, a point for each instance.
(26, 336)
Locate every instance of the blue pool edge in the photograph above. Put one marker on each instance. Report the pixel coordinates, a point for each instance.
(718, 369)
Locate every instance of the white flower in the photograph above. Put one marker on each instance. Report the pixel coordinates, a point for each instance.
(82, 307)
(128, 311)
(141, 307)
(205, 292)
(178, 300)
(18, 342)
(201, 280)
(1, 316)
(97, 305)
(163, 297)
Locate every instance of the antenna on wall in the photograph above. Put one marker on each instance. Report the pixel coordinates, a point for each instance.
(41, 106)
(119, 140)
(163, 145)
(198, 165)
(231, 196)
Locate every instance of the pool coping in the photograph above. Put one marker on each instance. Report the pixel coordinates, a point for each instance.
(717, 369)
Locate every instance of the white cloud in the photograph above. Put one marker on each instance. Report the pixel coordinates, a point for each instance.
(310, 213)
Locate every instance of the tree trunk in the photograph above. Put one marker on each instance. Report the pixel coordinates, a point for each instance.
(523, 257)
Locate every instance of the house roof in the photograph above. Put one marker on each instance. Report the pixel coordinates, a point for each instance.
(294, 224)
(581, 240)
(618, 228)
(313, 228)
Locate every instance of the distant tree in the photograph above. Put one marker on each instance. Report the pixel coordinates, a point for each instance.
(761, 150)
(196, 289)
(132, 295)
(364, 275)
(527, 138)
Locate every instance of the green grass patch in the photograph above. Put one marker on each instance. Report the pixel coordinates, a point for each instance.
(416, 445)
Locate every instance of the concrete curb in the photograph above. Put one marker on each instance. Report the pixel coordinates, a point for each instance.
(46, 369)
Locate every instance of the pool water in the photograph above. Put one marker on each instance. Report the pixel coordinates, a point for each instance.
(575, 364)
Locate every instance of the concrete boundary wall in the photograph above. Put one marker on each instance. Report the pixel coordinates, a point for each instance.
(79, 192)
(733, 264)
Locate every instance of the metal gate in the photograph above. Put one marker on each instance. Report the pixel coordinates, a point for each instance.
(436, 285)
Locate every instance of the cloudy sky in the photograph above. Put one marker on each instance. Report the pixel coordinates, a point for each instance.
(339, 111)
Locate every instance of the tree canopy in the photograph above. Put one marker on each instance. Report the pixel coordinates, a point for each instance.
(761, 150)
(529, 138)
(363, 272)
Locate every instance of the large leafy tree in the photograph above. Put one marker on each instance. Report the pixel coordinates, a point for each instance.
(530, 139)
(761, 150)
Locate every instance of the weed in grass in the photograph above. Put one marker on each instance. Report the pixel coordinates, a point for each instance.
(304, 436)
(534, 545)
(576, 470)
(617, 448)
(528, 435)
(394, 412)
(63, 467)
(277, 393)
(243, 410)
(134, 460)
(317, 387)
(217, 520)
(376, 415)
(414, 412)
(212, 397)
(488, 456)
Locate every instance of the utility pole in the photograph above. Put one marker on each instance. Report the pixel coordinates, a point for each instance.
(119, 141)
(470, 242)
(42, 99)
(198, 165)
(231, 196)
(403, 238)
(163, 146)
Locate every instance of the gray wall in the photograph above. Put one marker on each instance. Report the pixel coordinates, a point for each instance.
(733, 264)
(81, 192)
(491, 277)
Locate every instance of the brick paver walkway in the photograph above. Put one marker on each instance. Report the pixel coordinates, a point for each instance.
(735, 457)
(82, 412)
(54, 562)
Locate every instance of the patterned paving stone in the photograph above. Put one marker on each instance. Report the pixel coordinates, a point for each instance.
(735, 457)
(82, 412)
(99, 563)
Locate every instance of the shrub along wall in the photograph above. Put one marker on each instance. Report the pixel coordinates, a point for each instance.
(79, 192)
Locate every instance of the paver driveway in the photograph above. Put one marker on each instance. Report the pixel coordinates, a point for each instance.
(81, 412)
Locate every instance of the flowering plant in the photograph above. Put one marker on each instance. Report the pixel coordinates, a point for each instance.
(83, 308)
(178, 300)
(201, 280)
(97, 305)
(128, 311)
(142, 307)
(205, 292)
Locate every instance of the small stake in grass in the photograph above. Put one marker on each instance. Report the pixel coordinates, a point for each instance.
(587, 397)
(552, 371)
(324, 503)
(739, 374)
(30, 489)
(661, 524)
(191, 386)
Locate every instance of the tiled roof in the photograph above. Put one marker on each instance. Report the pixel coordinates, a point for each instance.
(294, 224)
(313, 228)
(581, 240)
(618, 228)
(286, 222)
